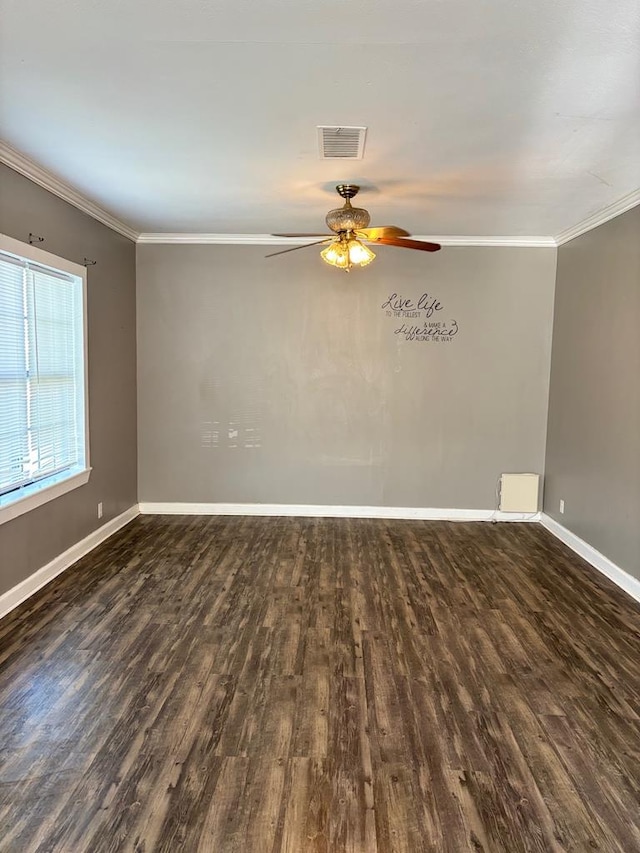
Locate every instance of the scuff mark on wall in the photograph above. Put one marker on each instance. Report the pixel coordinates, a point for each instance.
(238, 401)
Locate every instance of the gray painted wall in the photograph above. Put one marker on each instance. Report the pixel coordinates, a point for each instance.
(283, 381)
(32, 540)
(593, 445)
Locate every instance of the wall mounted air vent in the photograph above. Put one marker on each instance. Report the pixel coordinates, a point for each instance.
(519, 492)
(341, 143)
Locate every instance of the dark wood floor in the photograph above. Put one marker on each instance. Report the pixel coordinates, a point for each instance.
(262, 685)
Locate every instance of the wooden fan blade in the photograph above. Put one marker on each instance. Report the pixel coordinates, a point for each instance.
(295, 248)
(381, 231)
(301, 235)
(421, 245)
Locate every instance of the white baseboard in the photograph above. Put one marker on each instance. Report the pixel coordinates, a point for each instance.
(318, 511)
(603, 564)
(26, 588)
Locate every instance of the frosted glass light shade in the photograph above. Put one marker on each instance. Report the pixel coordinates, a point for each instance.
(336, 254)
(359, 253)
(343, 254)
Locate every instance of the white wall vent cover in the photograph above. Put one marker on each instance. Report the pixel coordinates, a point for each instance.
(519, 492)
(341, 143)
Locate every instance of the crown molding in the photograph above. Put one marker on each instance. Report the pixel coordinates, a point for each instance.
(516, 242)
(25, 166)
(270, 240)
(628, 201)
(226, 239)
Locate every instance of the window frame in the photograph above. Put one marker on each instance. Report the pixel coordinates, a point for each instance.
(53, 486)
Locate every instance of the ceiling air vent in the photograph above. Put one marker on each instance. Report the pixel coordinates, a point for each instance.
(341, 143)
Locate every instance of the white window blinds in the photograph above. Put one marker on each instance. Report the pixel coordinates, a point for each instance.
(42, 405)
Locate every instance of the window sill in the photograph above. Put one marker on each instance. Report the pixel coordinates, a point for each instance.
(40, 494)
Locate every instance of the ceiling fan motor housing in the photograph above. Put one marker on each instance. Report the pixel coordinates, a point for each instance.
(348, 218)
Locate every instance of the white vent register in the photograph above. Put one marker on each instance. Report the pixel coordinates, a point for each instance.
(341, 143)
(519, 492)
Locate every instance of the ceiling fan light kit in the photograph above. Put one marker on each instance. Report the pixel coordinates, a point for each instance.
(350, 226)
(345, 253)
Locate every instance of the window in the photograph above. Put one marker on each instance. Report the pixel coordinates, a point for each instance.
(44, 438)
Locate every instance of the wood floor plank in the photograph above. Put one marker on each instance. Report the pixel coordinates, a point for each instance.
(278, 685)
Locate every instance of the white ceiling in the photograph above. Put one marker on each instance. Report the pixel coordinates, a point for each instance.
(485, 117)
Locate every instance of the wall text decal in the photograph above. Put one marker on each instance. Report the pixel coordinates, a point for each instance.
(424, 308)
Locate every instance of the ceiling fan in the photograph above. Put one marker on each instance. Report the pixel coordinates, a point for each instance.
(350, 226)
